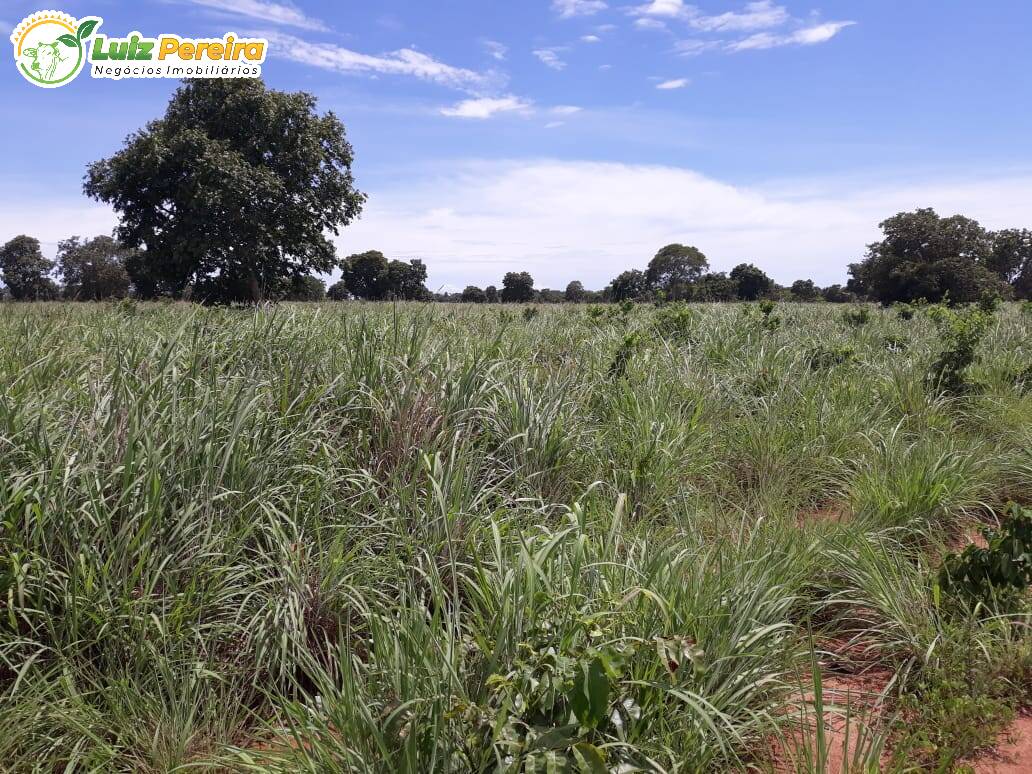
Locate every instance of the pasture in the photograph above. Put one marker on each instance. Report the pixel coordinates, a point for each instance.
(442, 538)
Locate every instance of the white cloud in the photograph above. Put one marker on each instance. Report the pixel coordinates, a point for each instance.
(808, 36)
(495, 49)
(566, 110)
(260, 10)
(554, 124)
(695, 46)
(405, 61)
(570, 8)
(756, 16)
(591, 39)
(645, 23)
(667, 8)
(605, 67)
(550, 57)
(485, 107)
(675, 83)
(565, 220)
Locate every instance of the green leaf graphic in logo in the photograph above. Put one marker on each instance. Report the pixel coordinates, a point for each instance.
(86, 28)
(69, 41)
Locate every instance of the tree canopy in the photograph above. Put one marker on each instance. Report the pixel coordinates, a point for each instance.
(925, 256)
(473, 295)
(574, 292)
(372, 277)
(805, 290)
(751, 282)
(517, 286)
(233, 190)
(674, 269)
(94, 269)
(25, 271)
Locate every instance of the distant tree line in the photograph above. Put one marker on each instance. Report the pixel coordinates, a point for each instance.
(233, 194)
(921, 257)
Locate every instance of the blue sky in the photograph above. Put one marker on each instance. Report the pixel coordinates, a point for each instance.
(573, 138)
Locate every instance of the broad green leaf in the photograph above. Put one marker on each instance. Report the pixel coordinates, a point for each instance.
(68, 40)
(86, 28)
(589, 758)
(589, 697)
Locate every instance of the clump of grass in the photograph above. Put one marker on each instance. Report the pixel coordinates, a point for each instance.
(857, 317)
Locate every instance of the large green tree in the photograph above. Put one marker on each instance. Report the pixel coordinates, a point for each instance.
(517, 286)
(628, 286)
(805, 290)
(236, 182)
(925, 256)
(675, 268)
(25, 271)
(94, 269)
(1011, 259)
(473, 295)
(715, 286)
(574, 292)
(372, 277)
(750, 281)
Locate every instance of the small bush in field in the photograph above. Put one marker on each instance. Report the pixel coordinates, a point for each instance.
(530, 312)
(857, 317)
(905, 311)
(955, 710)
(761, 315)
(961, 332)
(821, 358)
(770, 321)
(618, 365)
(1004, 566)
(675, 321)
(990, 302)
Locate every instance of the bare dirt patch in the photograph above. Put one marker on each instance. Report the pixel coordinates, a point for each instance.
(1013, 751)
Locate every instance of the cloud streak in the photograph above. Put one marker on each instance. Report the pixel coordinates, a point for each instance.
(567, 9)
(260, 10)
(761, 18)
(549, 57)
(405, 61)
(675, 83)
(808, 36)
(486, 107)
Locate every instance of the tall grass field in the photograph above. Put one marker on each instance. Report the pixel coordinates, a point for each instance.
(364, 537)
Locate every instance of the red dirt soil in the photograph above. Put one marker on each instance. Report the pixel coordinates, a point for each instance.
(1013, 753)
(856, 695)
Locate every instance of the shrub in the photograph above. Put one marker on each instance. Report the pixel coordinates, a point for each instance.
(1003, 566)
(675, 322)
(961, 333)
(822, 358)
(770, 320)
(856, 317)
(630, 344)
